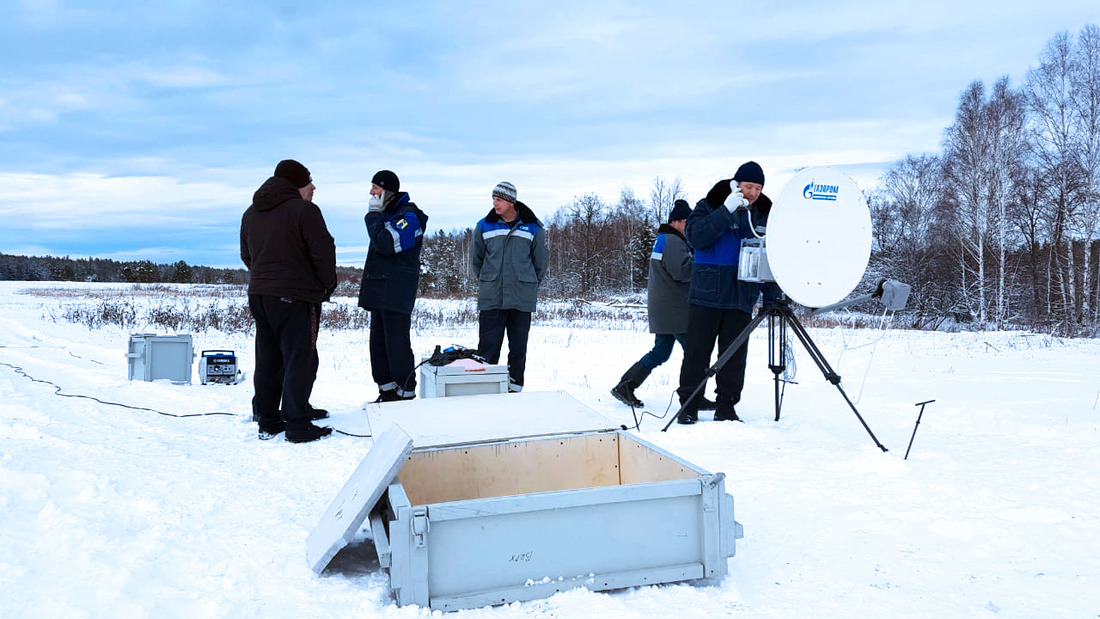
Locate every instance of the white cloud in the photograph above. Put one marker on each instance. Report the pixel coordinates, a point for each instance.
(180, 77)
(39, 203)
(145, 117)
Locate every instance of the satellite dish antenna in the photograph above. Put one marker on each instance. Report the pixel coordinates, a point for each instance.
(819, 237)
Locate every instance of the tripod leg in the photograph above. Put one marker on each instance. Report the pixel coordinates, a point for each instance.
(776, 359)
(777, 404)
(826, 369)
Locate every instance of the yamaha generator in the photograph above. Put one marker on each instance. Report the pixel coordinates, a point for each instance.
(218, 366)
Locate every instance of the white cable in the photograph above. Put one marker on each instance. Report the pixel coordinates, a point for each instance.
(752, 228)
(790, 368)
(874, 347)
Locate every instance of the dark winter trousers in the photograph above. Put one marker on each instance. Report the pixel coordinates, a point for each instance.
(391, 355)
(286, 359)
(492, 326)
(662, 350)
(704, 325)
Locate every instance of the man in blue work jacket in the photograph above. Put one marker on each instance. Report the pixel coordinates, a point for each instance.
(391, 275)
(719, 304)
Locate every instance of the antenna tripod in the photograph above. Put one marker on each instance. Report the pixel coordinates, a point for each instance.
(780, 316)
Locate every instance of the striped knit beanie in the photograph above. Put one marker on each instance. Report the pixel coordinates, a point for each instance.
(505, 191)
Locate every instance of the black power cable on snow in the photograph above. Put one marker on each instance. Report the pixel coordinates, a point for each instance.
(638, 420)
(57, 392)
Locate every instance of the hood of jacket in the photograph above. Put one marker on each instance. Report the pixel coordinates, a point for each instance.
(401, 201)
(524, 213)
(717, 195)
(274, 192)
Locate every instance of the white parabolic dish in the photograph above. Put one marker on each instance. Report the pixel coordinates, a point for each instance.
(819, 237)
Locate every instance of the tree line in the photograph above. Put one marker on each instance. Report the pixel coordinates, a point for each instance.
(50, 268)
(1001, 226)
(1000, 229)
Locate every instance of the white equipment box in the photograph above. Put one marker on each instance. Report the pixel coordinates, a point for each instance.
(155, 357)
(462, 377)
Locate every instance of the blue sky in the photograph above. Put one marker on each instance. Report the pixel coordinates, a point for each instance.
(140, 130)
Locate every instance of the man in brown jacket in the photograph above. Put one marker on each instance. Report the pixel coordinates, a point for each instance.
(291, 260)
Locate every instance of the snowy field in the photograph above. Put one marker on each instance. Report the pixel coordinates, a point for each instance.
(107, 511)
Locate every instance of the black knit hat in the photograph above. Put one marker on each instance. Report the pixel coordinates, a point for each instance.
(386, 180)
(294, 172)
(750, 172)
(680, 210)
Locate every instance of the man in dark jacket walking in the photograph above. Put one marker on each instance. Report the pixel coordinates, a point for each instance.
(291, 260)
(720, 305)
(508, 257)
(395, 226)
(670, 266)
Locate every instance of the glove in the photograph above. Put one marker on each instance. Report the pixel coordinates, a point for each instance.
(736, 199)
(375, 204)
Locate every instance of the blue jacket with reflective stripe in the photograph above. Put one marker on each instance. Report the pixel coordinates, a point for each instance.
(509, 260)
(716, 235)
(392, 271)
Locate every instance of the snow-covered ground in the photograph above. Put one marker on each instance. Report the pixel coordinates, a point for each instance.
(108, 511)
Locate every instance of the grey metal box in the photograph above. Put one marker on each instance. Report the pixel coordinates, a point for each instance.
(154, 357)
(455, 379)
(479, 521)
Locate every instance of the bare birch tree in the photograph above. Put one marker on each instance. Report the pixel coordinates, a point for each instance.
(966, 149)
(1085, 90)
(663, 195)
(1004, 116)
(1050, 103)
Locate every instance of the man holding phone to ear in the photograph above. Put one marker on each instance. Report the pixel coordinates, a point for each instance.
(391, 276)
(719, 304)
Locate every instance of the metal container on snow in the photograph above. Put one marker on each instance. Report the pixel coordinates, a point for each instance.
(459, 379)
(155, 357)
(502, 498)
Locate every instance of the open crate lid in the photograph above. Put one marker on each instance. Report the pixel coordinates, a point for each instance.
(354, 502)
(457, 420)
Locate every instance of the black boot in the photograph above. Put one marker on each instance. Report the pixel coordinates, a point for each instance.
(725, 410)
(726, 415)
(634, 377)
(271, 429)
(307, 433)
(689, 414)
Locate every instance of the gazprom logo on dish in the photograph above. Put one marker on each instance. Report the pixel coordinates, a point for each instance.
(814, 191)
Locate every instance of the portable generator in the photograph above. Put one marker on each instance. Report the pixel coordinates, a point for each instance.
(218, 366)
